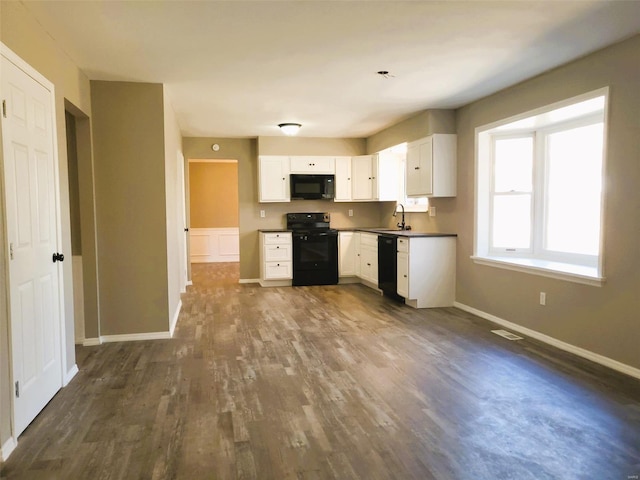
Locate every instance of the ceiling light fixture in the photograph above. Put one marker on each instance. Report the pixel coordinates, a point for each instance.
(289, 128)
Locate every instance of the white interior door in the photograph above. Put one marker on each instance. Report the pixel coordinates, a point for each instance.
(27, 130)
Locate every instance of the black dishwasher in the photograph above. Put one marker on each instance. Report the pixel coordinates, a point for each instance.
(388, 266)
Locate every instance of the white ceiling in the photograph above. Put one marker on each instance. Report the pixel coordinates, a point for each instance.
(238, 68)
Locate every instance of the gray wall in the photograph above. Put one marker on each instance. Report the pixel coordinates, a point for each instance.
(129, 156)
(603, 319)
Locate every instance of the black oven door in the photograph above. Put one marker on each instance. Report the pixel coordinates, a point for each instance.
(315, 258)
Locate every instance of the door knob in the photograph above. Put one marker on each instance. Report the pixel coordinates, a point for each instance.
(58, 257)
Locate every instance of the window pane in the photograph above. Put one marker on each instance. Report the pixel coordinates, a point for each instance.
(574, 190)
(513, 164)
(512, 221)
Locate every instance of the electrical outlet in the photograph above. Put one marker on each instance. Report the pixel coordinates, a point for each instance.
(262, 214)
(543, 298)
(432, 211)
(351, 212)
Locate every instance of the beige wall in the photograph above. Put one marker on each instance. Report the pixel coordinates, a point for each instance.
(22, 34)
(129, 153)
(213, 194)
(602, 320)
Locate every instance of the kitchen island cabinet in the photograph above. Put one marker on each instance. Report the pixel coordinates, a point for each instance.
(426, 271)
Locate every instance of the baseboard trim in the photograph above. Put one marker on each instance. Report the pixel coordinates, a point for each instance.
(554, 342)
(135, 337)
(91, 342)
(174, 320)
(189, 283)
(70, 374)
(249, 280)
(8, 447)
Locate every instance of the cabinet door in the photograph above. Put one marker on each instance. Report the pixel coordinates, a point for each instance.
(369, 264)
(420, 167)
(343, 179)
(313, 164)
(386, 177)
(362, 176)
(403, 274)
(346, 254)
(274, 179)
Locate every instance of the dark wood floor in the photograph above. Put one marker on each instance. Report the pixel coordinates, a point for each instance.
(330, 382)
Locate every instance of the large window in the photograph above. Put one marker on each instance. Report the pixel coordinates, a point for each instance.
(539, 190)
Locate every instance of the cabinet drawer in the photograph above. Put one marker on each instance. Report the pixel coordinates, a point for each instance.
(277, 253)
(403, 244)
(277, 238)
(277, 270)
(369, 239)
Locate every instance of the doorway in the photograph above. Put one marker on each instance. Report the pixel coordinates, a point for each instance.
(83, 225)
(213, 206)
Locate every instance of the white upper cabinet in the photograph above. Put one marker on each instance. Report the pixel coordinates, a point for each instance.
(343, 179)
(273, 178)
(313, 164)
(374, 178)
(431, 166)
(363, 177)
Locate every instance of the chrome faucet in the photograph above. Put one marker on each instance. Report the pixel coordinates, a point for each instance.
(401, 225)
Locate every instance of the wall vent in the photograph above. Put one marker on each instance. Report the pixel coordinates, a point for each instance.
(507, 335)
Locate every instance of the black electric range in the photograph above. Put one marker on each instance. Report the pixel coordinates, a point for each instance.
(315, 249)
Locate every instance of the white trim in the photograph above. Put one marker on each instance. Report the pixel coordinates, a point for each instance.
(135, 337)
(189, 283)
(567, 347)
(210, 245)
(91, 342)
(8, 447)
(211, 160)
(174, 320)
(249, 280)
(570, 273)
(70, 374)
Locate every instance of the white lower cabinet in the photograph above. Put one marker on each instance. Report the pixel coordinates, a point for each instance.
(276, 259)
(368, 258)
(427, 271)
(347, 254)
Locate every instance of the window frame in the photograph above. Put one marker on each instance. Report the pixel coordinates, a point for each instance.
(537, 259)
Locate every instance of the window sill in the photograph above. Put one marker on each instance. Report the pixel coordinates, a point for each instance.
(545, 268)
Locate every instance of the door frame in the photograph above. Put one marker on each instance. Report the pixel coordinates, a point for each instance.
(65, 375)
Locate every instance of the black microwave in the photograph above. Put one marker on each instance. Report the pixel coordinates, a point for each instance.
(312, 187)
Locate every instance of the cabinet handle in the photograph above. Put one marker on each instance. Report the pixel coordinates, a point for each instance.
(368, 264)
(404, 276)
(373, 178)
(277, 265)
(349, 178)
(277, 247)
(369, 178)
(416, 168)
(283, 178)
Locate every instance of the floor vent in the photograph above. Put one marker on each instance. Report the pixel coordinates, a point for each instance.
(507, 335)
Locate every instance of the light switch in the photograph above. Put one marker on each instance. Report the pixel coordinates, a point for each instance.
(262, 214)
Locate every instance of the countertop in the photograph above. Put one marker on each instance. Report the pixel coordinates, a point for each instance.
(379, 231)
(395, 231)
